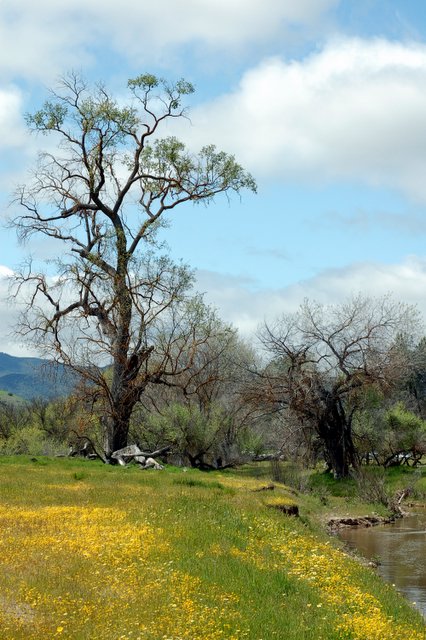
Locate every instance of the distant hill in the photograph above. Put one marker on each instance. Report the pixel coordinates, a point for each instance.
(11, 399)
(34, 377)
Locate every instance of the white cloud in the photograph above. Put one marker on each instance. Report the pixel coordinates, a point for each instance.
(5, 273)
(42, 39)
(246, 308)
(216, 23)
(8, 313)
(11, 125)
(354, 111)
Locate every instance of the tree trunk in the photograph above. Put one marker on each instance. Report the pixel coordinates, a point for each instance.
(116, 431)
(335, 431)
(121, 426)
(124, 396)
(336, 456)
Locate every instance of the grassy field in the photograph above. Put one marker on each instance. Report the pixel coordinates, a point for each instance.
(95, 552)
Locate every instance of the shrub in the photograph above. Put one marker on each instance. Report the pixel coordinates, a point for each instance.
(31, 441)
(370, 483)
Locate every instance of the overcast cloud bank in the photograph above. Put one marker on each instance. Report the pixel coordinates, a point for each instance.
(42, 39)
(246, 308)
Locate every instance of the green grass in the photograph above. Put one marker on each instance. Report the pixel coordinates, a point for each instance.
(93, 551)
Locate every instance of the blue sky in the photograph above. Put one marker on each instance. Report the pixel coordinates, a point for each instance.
(324, 101)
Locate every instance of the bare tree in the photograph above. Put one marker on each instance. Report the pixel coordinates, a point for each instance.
(101, 196)
(205, 416)
(324, 358)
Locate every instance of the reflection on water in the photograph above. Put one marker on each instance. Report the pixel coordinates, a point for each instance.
(401, 550)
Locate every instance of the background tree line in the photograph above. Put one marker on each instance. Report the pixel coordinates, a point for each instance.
(342, 383)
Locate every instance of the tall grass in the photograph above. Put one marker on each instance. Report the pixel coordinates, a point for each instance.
(90, 551)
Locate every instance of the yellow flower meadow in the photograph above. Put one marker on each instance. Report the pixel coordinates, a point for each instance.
(117, 565)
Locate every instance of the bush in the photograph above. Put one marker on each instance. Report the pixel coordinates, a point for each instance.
(31, 441)
(199, 438)
(370, 483)
(406, 435)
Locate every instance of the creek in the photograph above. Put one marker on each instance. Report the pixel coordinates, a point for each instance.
(400, 550)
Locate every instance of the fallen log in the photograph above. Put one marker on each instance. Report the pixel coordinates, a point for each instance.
(143, 458)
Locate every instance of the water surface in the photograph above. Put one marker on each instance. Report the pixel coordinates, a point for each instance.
(400, 548)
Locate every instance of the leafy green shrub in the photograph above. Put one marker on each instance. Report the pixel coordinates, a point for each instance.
(250, 443)
(199, 438)
(406, 432)
(393, 437)
(30, 440)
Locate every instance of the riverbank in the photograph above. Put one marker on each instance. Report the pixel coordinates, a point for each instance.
(336, 524)
(393, 543)
(94, 551)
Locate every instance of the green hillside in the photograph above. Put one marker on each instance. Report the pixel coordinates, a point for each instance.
(34, 377)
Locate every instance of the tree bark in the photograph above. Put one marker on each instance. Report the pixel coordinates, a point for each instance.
(335, 430)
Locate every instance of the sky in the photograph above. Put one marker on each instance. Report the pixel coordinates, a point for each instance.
(323, 101)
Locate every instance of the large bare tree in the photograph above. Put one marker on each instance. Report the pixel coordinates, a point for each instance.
(325, 357)
(101, 195)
